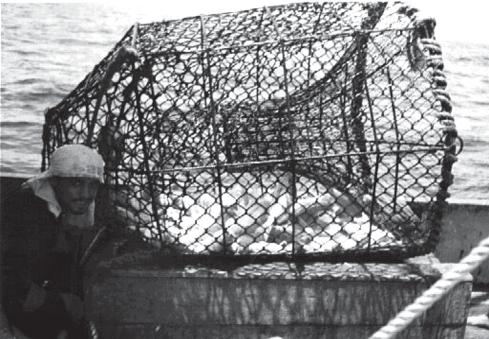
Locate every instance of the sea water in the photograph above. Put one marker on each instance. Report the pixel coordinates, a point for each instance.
(47, 49)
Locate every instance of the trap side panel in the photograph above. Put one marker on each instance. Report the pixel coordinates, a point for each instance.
(133, 298)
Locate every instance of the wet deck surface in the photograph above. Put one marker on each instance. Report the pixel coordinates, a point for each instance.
(478, 323)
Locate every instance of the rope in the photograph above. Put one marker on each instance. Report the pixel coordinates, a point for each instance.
(447, 281)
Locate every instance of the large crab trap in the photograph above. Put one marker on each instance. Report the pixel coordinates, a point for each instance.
(305, 131)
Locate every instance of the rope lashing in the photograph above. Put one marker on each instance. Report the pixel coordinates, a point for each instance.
(431, 44)
(444, 98)
(447, 281)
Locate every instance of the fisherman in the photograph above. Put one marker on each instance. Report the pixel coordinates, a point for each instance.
(47, 226)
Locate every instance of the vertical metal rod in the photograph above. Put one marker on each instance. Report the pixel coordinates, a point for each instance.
(356, 106)
(396, 128)
(307, 103)
(146, 159)
(135, 33)
(308, 80)
(47, 138)
(321, 127)
(375, 11)
(310, 139)
(92, 124)
(279, 112)
(316, 24)
(257, 84)
(65, 133)
(292, 149)
(212, 109)
(158, 133)
(59, 133)
(377, 162)
(345, 125)
(87, 101)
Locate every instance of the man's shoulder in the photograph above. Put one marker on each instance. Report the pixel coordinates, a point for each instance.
(23, 196)
(22, 204)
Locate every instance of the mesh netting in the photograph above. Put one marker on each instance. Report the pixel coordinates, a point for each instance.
(296, 131)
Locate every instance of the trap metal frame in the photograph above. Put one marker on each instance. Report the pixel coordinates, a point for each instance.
(309, 131)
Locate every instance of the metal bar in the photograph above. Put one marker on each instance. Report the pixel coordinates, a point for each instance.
(46, 133)
(257, 97)
(64, 135)
(316, 24)
(377, 162)
(91, 124)
(146, 155)
(322, 129)
(292, 147)
(87, 100)
(308, 80)
(321, 119)
(279, 111)
(341, 141)
(396, 128)
(158, 133)
(135, 34)
(358, 128)
(310, 138)
(59, 133)
(212, 109)
(257, 84)
(272, 42)
(228, 166)
(345, 124)
(375, 11)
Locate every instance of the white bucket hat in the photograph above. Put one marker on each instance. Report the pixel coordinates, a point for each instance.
(77, 161)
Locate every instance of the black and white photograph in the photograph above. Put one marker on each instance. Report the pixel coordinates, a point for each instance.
(271, 169)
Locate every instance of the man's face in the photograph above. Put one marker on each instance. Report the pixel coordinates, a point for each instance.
(75, 194)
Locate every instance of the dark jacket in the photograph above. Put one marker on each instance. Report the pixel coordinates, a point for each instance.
(40, 261)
